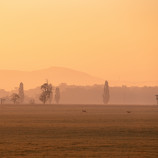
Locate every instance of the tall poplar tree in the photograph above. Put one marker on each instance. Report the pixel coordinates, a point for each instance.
(57, 95)
(106, 94)
(21, 92)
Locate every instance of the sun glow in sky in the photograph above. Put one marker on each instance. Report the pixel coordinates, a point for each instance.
(111, 39)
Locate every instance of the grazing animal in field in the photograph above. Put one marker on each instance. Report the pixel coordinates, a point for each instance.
(84, 111)
(128, 111)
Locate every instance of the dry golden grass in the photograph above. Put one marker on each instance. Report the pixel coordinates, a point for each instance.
(45, 131)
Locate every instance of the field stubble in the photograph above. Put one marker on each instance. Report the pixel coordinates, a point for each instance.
(66, 131)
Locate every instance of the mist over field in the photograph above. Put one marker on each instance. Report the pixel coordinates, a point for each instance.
(75, 87)
(78, 79)
(93, 95)
(71, 94)
(79, 121)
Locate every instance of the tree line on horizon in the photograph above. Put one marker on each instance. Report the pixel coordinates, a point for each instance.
(46, 95)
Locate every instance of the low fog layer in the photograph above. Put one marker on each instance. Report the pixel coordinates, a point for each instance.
(94, 94)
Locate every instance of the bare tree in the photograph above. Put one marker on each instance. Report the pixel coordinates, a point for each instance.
(15, 97)
(57, 95)
(46, 92)
(106, 95)
(21, 92)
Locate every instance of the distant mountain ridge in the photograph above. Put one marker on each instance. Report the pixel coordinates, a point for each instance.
(11, 78)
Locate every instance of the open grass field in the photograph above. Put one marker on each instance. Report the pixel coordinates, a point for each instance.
(46, 131)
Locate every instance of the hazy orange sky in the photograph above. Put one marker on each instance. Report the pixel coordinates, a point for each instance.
(111, 39)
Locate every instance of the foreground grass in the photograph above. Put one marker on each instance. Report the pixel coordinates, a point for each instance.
(65, 131)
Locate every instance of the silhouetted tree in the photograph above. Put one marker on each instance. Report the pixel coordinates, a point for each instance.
(57, 95)
(21, 92)
(46, 92)
(106, 95)
(15, 97)
(50, 89)
(43, 97)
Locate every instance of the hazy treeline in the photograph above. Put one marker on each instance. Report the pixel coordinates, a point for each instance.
(118, 95)
(71, 94)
